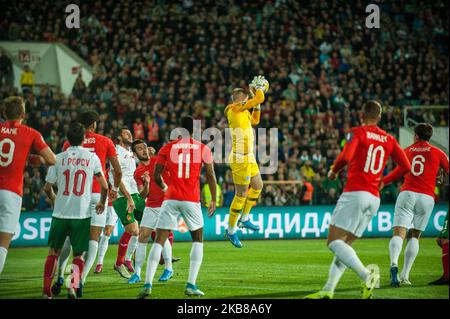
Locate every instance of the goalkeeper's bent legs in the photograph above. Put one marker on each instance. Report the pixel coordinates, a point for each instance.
(252, 197)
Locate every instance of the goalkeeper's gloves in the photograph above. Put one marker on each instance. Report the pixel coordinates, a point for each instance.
(258, 82)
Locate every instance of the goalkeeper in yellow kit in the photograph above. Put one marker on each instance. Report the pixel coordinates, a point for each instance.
(242, 114)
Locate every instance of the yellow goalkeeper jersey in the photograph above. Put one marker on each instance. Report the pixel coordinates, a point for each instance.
(240, 122)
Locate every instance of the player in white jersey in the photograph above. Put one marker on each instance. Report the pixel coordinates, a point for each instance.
(74, 172)
(129, 206)
(111, 221)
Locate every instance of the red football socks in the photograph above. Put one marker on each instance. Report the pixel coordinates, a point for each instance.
(76, 276)
(123, 246)
(49, 272)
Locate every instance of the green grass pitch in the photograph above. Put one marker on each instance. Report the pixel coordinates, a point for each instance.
(262, 269)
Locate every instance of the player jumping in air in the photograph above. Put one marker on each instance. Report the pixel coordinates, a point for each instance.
(103, 147)
(183, 159)
(129, 206)
(415, 202)
(242, 160)
(366, 152)
(155, 196)
(74, 172)
(16, 142)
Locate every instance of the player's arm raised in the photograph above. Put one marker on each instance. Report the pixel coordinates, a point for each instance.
(256, 113)
(345, 156)
(251, 103)
(403, 166)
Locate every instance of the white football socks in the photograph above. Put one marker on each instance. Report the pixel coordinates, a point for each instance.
(102, 248)
(395, 248)
(411, 251)
(3, 253)
(90, 259)
(152, 262)
(196, 259)
(337, 269)
(347, 255)
(132, 245)
(167, 255)
(141, 251)
(63, 258)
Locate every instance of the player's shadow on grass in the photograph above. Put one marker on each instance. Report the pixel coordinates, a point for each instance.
(286, 294)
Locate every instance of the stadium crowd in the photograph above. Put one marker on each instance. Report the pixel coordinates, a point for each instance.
(154, 61)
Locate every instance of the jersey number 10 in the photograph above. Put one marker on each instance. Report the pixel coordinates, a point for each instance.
(375, 156)
(77, 191)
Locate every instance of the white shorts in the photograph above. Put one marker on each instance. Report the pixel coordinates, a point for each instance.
(10, 207)
(413, 210)
(150, 217)
(172, 209)
(98, 220)
(111, 216)
(354, 211)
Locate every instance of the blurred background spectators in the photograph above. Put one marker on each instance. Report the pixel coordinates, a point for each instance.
(155, 61)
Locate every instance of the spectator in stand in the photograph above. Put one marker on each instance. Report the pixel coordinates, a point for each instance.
(27, 80)
(6, 70)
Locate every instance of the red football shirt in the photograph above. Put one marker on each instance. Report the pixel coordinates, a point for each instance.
(366, 153)
(155, 195)
(100, 145)
(16, 141)
(425, 162)
(183, 159)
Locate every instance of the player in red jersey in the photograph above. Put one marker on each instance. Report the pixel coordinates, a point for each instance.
(415, 202)
(183, 159)
(105, 150)
(367, 149)
(155, 196)
(16, 143)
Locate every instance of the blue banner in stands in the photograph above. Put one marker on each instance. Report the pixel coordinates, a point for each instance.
(292, 222)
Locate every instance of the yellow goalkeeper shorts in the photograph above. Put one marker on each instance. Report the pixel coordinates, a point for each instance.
(243, 168)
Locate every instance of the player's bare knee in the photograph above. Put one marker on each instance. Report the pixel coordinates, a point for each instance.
(197, 235)
(414, 233)
(54, 252)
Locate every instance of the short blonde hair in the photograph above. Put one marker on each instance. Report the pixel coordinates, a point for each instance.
(237, 91)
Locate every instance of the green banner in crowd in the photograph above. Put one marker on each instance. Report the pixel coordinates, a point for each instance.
(292, 222)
